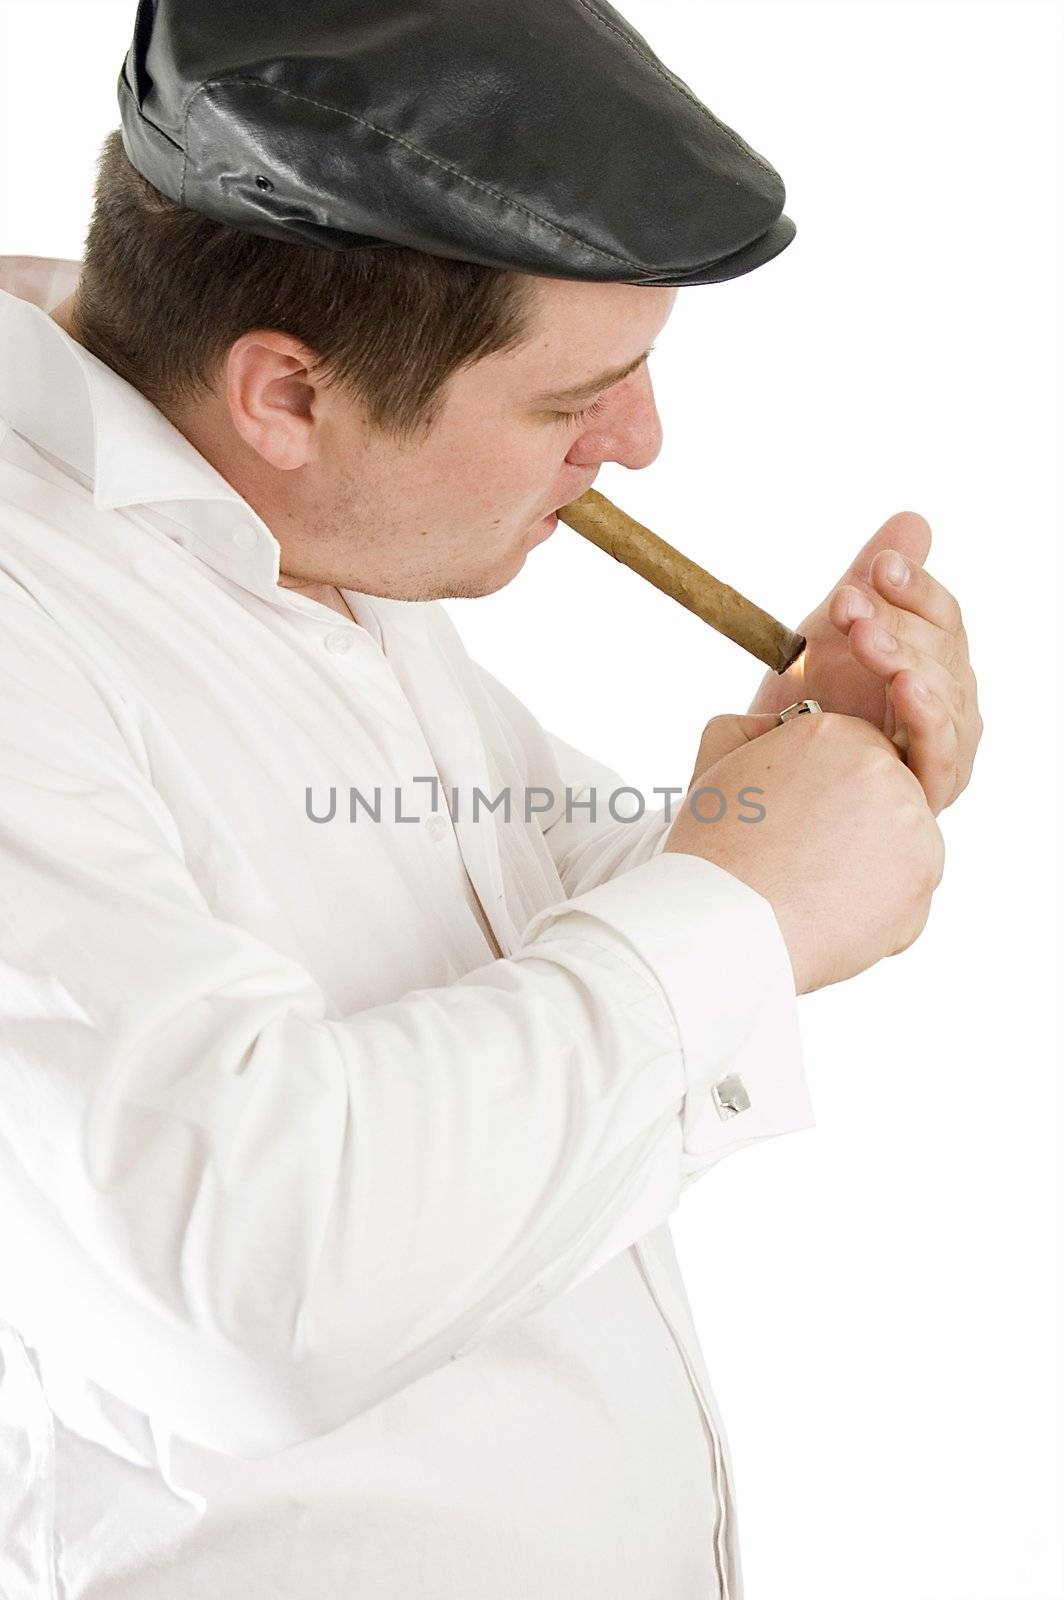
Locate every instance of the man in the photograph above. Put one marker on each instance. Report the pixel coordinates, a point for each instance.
(338, 1147)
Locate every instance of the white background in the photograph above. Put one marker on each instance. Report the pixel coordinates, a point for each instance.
(879, 1299)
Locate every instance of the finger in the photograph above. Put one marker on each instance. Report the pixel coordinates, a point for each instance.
(917, 592)
(906, 531)
(725, 733)
(885, 654)
(850, 605)
(932, 739)
(957, 696)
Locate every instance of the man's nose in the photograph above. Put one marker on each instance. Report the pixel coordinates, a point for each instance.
(628, 431)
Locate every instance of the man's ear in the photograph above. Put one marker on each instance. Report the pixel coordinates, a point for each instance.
(271, 391)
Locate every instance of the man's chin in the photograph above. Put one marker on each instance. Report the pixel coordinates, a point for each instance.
(479, 590)
(476, 586)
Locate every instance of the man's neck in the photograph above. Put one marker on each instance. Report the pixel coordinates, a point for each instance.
(62, 315)
(324, 593)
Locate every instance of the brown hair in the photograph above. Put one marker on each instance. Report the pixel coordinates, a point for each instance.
(164, 292)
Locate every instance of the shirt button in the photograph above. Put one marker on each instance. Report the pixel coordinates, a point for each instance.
(244, 536)
(339, 641)
(436, 826)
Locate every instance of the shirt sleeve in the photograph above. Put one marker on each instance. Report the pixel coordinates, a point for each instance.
(596, 825)
(255, 1221)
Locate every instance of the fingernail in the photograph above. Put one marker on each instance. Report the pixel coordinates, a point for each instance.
(897, 570)
(858, 606)
(920, 690)
(884, 640)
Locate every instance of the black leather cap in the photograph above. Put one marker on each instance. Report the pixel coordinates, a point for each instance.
(542, 136)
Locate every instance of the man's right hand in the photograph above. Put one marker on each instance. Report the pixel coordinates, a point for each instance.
(848, 853)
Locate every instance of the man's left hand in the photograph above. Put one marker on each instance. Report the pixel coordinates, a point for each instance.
(873, 667)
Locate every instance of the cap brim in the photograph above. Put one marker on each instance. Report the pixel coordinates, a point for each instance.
(752, 255)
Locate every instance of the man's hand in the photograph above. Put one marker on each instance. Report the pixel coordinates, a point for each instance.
(846, 851)
(848, 669)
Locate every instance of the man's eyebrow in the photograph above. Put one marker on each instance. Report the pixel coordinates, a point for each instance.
(605, 380)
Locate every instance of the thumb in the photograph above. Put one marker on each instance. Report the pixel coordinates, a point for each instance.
(906, 531)
(726, 733)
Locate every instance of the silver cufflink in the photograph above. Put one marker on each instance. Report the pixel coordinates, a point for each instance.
(730, 1097)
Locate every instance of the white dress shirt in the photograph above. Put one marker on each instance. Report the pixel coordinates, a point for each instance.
(336, 1156)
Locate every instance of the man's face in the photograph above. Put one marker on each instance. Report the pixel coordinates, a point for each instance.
(455, 513)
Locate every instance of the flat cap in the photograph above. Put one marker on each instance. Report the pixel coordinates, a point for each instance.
(539, 136)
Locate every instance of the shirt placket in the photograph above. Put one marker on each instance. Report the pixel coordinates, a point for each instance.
(454, 746)
(454, 749)
(663, 1296)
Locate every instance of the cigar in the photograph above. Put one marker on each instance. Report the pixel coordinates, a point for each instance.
(724, 608)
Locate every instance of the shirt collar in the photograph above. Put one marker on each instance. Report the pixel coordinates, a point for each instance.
(62, 398)
(59, 396)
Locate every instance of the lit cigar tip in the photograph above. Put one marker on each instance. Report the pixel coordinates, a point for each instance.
(795, 667)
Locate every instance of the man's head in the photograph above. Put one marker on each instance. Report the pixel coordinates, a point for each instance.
(398, 420)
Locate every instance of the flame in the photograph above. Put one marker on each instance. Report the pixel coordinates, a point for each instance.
(797, 668)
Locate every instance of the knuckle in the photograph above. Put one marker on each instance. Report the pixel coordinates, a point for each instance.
(920, 846)
(889, 779)
(928, 876)
(956, 662)
(945, 602)
(882, 766)
(850, 730)
(944, 714)
(939, 867)
(918, 923)
(822, 729)
(910, 937)
(932, 861)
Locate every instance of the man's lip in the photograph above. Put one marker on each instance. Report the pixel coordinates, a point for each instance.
(571, 498)
(548, 524)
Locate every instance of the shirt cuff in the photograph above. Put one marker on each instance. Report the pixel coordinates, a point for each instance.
(713, 949)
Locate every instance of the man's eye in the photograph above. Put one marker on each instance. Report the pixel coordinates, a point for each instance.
(588, 412)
